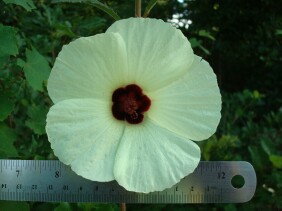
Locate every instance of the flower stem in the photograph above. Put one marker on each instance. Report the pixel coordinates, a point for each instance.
(122, 207)
(138, 8)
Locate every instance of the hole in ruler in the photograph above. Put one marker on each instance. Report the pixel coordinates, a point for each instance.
(238, 181)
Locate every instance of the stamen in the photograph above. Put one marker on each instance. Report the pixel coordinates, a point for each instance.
(129, 103)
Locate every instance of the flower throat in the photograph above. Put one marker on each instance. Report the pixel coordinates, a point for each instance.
(129, 103)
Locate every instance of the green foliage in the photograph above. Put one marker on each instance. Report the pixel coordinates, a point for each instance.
(6, 106)
(216, 148)
(27, 4)
(8, 41)
(37, 121)
(149, 7)
(36, 69)
(94, 207)
(95, 3)
(7, 138)
(241, 39)
(276, 161)
(14, 206)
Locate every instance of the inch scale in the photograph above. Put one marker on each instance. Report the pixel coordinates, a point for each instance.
(52, 181)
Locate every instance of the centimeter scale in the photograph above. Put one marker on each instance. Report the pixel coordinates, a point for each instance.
(52, 181)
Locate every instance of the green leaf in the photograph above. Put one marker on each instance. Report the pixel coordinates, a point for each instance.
(259, 158)
(26, 4)
(205, 50)
(267, 146)
(95, 3)
(278, 32)
(3, 60)
(93, 23)
(6, 105)
(94, 206)
(7, 138)
(63, 30)
(204, 33)
(36, 69)
(276, 161)
(8, 41)
(195, 42)
(37, 121)
(63, 206)
(14, 205)
(149, 7)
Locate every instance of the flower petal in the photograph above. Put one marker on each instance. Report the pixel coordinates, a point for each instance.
(84, 134)
(157, 52)
(151, 158)
(88, 68)
(191, 106)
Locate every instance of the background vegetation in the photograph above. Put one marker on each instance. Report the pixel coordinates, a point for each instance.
(241, 39)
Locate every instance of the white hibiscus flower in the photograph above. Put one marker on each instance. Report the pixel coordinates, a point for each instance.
(127, 104)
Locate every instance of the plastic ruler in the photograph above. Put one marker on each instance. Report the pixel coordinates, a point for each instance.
(52, 181)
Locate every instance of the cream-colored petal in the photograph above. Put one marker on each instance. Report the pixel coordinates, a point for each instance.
(158, 53)
(84, 134)
(89, 67)
(191, 106)
(151, 158)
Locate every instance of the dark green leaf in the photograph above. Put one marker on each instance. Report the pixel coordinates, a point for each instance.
(204, 50)
(195, 43)
(64, 206)
(93, 206)
(204, 33)
(276, 160)
(7, 138)
(14, 205)
(36, 69)
(149, 7)
(8, 41)
(63, 30)
(259, 158)
(95, 3)
(37, 121)
(278, 32)
(3, 60)
(27, 4)
(93, 23)
(6, 105)
(267, 146)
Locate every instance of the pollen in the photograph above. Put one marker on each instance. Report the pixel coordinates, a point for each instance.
(129, 104)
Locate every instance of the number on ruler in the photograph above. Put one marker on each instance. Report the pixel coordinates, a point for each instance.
(18, 172)
(57, 174)
(19, 186)
(221, 175)
(65, 187)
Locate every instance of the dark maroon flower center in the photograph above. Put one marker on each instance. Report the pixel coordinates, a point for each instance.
(129, 103)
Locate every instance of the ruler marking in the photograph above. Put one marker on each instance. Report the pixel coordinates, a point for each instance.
(203, 186)
(5, 164)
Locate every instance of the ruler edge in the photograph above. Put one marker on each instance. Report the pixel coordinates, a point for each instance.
(61, 164)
